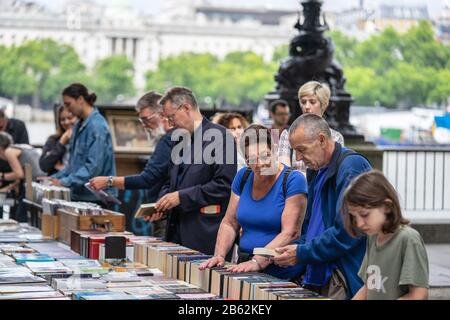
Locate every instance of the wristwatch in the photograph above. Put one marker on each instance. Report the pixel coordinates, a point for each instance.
(110, 182)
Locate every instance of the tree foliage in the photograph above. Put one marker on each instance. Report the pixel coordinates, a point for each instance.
(38, 70)
(239, 77)
(396, 69)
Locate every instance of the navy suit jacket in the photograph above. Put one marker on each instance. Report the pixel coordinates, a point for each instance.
(200, 186)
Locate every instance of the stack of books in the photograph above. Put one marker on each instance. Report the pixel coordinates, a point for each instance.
(41, 191)
(51, 207)
(183, 264)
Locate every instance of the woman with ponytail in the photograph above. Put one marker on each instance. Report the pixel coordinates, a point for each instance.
(91, 150)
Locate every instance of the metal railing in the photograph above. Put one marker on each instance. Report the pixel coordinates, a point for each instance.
(421, 176)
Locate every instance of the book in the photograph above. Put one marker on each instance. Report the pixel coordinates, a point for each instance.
(32, 295)
(200, 296)
(110, 296)
(162, 296)
(78, 284)
(10, 249)
(265, 252)
(103, 196)
(79, 263)
(32, 257)
(21, 280)
(146, 210)
(25, 288)
(47, 267)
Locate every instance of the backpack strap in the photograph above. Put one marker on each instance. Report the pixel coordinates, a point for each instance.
(244, 179)
(247, 172)
(344, 155)
(311, 174)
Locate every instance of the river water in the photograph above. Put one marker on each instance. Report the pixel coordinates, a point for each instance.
(38, 132)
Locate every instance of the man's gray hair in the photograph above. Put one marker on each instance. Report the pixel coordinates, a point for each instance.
(150, 100)
(179, 96)
(312, 124)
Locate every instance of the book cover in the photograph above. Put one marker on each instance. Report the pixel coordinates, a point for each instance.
(146, 210)
(265, 252)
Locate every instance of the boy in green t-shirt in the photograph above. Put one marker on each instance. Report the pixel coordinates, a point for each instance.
(396, 264)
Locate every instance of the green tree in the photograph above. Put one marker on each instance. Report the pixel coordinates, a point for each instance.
(280, 53)
(344, 48)
(15, 82)
(239, 77)
(113, 78)
(362, 85)
(421, 49)
(44, 59)
(380, 52)
(196, 71)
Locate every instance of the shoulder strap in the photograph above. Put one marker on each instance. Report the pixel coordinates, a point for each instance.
(285, 179)
(344, 155)
(244, 179)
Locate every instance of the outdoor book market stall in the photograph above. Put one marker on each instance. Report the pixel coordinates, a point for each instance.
(94, 262)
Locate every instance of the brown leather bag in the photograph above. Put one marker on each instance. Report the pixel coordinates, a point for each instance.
(336, 288)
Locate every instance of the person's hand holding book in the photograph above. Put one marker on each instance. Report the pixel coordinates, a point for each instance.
(287, 257)
(168, 202)
(155, 217)
(99, 183)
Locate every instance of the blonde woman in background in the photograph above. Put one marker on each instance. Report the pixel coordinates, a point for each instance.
(314, 98)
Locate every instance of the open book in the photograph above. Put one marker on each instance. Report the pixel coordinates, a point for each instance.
(265, 252)
(103, 196)
(146, 210)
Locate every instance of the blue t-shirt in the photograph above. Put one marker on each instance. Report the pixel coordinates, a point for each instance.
(261, 219)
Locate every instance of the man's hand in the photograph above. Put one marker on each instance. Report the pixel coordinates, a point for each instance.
(216, 261)
(99, 183)
(287, 257)
(168, 202)
(56, 182)
(156, 217)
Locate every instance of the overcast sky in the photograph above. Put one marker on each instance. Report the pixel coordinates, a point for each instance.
(154, 6)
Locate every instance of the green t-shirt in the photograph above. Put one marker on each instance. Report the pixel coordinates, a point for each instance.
(388, 270)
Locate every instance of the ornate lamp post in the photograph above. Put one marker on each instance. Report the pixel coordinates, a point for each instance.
(311, 58)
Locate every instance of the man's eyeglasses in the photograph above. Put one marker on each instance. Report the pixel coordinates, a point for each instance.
(147, 120)
(170, 118)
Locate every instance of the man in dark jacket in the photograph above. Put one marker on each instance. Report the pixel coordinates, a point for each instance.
(330, 257)
(199, 188)
(156, 171)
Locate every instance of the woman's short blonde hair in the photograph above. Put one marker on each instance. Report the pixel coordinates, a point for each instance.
(320, 90)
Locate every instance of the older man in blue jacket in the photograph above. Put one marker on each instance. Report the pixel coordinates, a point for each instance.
(330, 257)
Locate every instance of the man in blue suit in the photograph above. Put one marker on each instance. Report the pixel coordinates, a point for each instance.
(203, 166)
(330, 257)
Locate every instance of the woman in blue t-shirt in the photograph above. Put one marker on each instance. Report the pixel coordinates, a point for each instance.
(269, 206)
